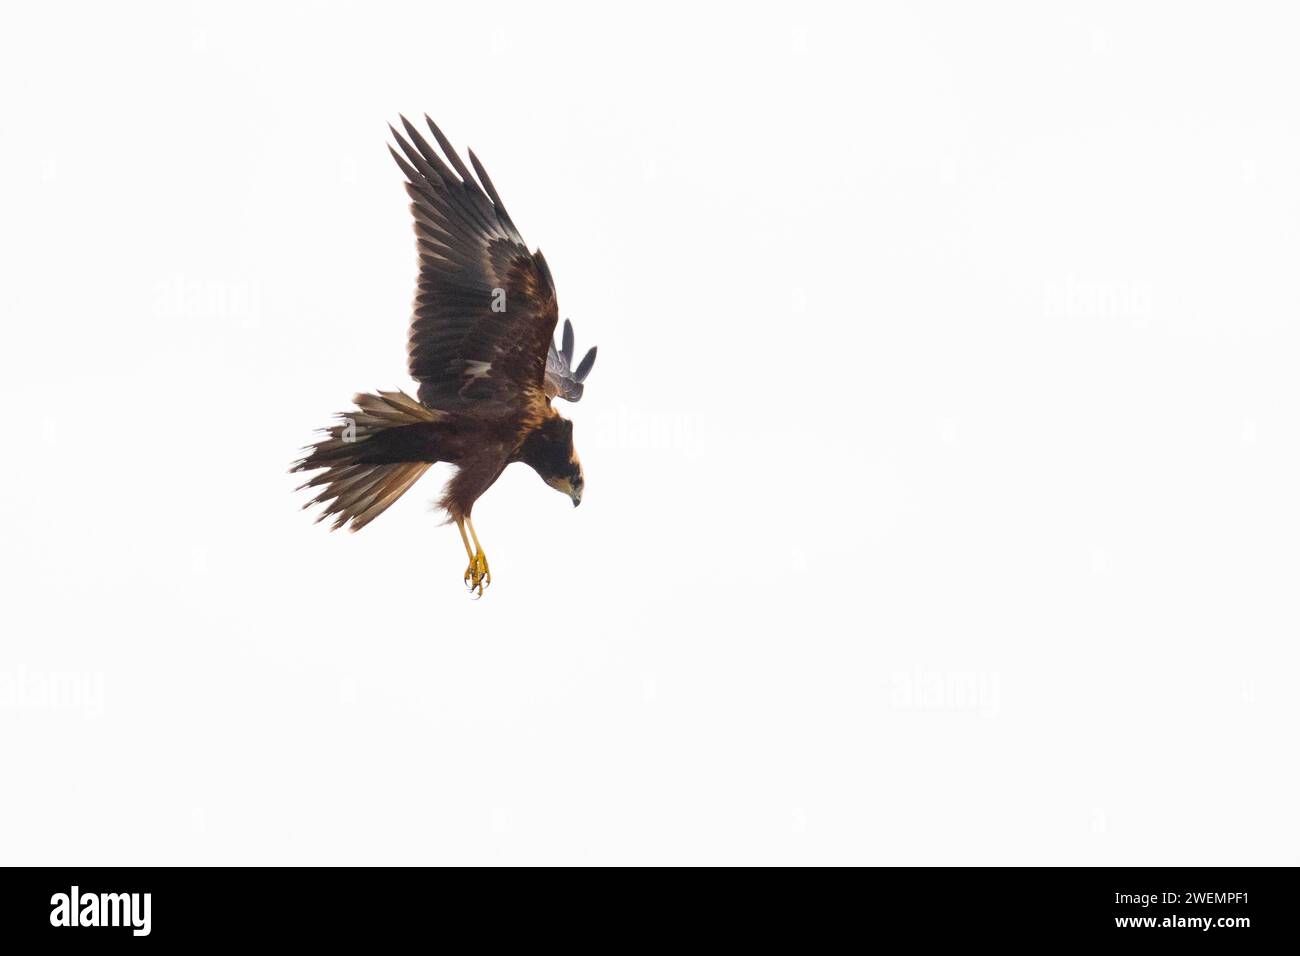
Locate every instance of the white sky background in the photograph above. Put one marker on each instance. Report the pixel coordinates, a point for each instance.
(941, 454)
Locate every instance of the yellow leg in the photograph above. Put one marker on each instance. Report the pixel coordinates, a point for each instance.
(460, 524)
(477, 575)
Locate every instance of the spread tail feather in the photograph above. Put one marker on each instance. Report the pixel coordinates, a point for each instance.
(356, 490)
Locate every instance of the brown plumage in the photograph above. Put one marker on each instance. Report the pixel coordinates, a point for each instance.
(481, 349)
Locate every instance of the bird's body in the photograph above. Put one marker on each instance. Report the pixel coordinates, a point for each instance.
(480, 347)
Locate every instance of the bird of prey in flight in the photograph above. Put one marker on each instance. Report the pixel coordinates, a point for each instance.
(481, 346)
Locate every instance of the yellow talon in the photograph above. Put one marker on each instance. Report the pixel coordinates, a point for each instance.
(477, 575)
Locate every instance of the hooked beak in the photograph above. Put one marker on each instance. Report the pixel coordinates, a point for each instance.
(565, 486)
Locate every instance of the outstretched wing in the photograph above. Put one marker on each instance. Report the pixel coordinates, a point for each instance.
(485, 308)
(562, 378)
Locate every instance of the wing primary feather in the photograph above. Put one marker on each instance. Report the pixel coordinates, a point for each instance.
(475, 204)
(407, 169)
(447, 149)
(492, 194)
(566, 346)
(427, 175)
(584, 367)
(433, 190)
(430, 156)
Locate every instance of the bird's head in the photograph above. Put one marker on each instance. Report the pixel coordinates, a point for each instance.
(549, 450)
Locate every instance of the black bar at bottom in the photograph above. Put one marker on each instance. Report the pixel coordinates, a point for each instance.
(370, 907)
